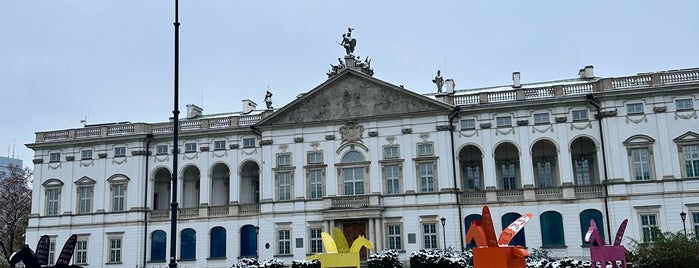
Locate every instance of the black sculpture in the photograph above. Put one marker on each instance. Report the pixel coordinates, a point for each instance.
(35, 260)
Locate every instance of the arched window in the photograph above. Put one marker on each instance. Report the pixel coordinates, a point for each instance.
(552, 229)
(585, 217)
(188, 244)
(353, 176)
(157, 246)
(467, 223)
(248, 241)
(519, 239)
(217, 245)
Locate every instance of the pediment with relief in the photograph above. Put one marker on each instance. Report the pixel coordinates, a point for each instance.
(689, 136)
(352, 95)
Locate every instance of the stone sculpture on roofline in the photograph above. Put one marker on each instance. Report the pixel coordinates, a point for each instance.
(349, 43)
(492, 252)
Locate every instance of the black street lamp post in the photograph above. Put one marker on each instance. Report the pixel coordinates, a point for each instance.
(444, 233)
(683, 215)
(175, 138)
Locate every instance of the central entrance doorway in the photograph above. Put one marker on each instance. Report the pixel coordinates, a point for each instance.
(353, 229)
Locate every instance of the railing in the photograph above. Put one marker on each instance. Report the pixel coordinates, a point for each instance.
(159, 215)
(549, 194)
(538, 93)
(218, 211)
(472, 197)
(249, 209)
(120, 129)
(249, 119)
(577, 89)
(191, 125)
(88, 132)
(466, 99)
(631, 81)
(510, 195)
(350, 202)
(594, 191)
(502, 96)
(188, 213)
(679, 77)
(220, 122)
(162, 128)
(55, 135)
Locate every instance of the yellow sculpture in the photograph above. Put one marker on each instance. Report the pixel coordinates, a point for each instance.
(339, 254)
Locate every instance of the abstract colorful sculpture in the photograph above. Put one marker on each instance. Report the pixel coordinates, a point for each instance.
(601, 253)
(339, 254)
(496, 253)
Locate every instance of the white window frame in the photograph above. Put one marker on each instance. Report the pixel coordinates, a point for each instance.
(425, 149)
(315, 240)
(394, 236)
(161, 149)
(393, 179)
(55, 157)
(86, 154)
(315, 157)
(53, 205)
(81, 250)
(503, 121)
(118, 199)
(633, 146)
(542, 119)
(427, 176)
(248, 142)
(316, 182)
(85, 198)
(219, 145)
(120, 151)
(654, 216)
(115, 245)
(467, 124)
(284, 160)
(283, 242)
(684, 104)
(52, 249)
(634, 108)
(579, 115)
(190, 147)
(285, 189)
(433, 242)
(391, 152)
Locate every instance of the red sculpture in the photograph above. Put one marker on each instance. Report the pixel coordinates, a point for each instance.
(492, 252)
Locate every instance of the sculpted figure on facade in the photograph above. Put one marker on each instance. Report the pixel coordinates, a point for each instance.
(351, 132)
(439, 81)
(348, 42)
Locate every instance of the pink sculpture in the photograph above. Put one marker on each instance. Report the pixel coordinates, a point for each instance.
(601, 253)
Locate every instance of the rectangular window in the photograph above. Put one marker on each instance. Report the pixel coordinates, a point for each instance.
(118, 197)
(219, 145)
(509, 180)
(86, 154)
(545, 174)
(641, 163)
(473, 178)
(429, 232)
(684, 104)
(119, 151)
(353, 180)
(394, 236)
(55, 157)
(316, 245)
(283, 242)
(52, 249)
(390, 152)
(425, 149)
(85, 199)
(468, 124)
(691, 160)
(582, 172)
(315, 158)
(161, 149)
(52, 197)
(541, 119)
(81, 251)
(503, 121)
(284, 185)
(392, 173)
(579, 115)
(283, 160)
(426, 177)
(248, 142)
(115, 250)
(695, 221)
(190, 147)
(315, 183)
(649, 225)
(634, 108)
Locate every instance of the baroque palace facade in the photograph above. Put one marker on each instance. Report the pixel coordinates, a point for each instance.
(376, 159)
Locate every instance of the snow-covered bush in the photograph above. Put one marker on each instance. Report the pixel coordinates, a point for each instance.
(541, 258)
(305, 264)
(255, 263)
(437, 258)
(385, 259)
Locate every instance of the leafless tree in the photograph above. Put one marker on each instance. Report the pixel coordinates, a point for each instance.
(15, 206)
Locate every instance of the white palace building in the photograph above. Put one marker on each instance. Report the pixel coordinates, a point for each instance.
(379, 160)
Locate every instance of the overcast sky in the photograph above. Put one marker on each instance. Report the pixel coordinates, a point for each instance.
(112, 60)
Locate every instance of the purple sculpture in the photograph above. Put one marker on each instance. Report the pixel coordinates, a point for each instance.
(601, 253)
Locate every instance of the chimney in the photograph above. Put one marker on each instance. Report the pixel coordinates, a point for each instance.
(516, 80)
(193, 111)
(248, 106)
(587, 72)
(450, 86)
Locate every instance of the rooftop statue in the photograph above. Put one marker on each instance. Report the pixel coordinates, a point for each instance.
(496, 253)
(339, 253)
(439, 81)
(599, 252)
(268, 100)
(348, 42)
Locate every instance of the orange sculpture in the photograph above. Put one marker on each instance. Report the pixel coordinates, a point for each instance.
(492, 252)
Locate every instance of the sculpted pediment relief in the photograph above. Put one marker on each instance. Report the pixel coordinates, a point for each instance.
(351, 96)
